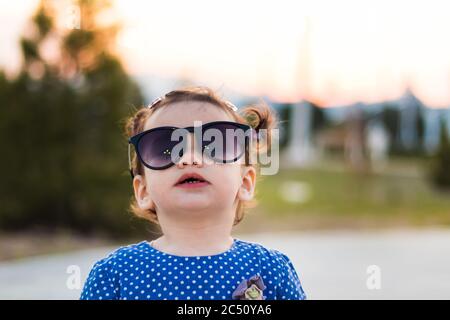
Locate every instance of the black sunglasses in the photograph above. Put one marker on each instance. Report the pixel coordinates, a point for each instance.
(155, 147)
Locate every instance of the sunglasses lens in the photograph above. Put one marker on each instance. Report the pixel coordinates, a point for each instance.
(156, 147)
(224, 142)
(221, 142)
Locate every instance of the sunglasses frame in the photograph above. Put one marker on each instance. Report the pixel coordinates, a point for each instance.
(134, 140)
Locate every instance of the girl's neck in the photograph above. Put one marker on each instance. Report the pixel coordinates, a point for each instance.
(199, 242)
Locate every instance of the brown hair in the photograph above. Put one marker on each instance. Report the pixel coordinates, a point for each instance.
(258, 116)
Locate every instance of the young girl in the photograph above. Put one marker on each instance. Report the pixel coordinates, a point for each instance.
(195, 197)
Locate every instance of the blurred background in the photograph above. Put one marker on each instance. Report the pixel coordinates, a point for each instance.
(361, 89)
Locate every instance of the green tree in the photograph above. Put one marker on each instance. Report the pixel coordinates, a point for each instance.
(440, 168)
(390, 117)
(284, 114)
(66, 163)
(319, 120)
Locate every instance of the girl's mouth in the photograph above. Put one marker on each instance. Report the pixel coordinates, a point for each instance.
(191, 181)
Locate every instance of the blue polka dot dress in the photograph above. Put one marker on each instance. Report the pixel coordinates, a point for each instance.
(245, 271)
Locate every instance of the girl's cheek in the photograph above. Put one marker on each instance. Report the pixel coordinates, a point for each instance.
(233, 178)
(158, 184)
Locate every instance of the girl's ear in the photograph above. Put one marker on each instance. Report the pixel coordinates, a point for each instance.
(141, 193)
(247, 189)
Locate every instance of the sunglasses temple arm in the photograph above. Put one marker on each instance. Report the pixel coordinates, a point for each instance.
(129, 161)
(247, 151)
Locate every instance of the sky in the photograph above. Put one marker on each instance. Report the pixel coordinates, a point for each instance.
(332, 52)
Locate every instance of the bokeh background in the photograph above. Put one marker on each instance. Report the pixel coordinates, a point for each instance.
(361, 89)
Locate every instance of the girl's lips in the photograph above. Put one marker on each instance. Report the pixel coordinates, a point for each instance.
(192, 179)
(199, 184)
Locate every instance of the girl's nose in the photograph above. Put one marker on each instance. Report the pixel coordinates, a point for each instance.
(191, 154)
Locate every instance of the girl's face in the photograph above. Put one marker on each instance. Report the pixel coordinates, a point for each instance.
(227, 183)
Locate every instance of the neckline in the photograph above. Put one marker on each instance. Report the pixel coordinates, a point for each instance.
(210, 256)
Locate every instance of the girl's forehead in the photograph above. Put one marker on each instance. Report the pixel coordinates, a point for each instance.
(184, 114)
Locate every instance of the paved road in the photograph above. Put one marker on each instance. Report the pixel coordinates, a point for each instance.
(332, 265)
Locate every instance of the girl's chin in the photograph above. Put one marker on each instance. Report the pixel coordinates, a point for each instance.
(188, 197)
(192, 206)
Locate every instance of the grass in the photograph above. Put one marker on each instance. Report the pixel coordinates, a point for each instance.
(342, 196)
(400, 196)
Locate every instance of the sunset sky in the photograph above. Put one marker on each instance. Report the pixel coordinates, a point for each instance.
(331, 52)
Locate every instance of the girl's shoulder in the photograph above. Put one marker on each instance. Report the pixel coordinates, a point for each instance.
(270, 258)
(279, 264)
(134, 249)
(265, 252)
(121, 254)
